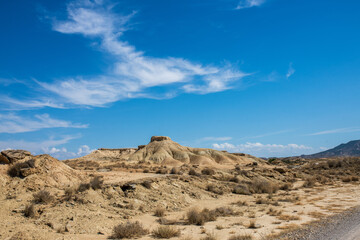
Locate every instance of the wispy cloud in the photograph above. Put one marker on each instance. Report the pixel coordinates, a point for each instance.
(291, 70)
(12, 123)
(268, 134)
(49, 146)
(132, 74)
(339, 130)
(206, 139)
(249, 3)
(260, 149)
(36, 147)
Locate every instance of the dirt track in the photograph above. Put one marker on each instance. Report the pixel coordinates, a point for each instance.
(343, 226)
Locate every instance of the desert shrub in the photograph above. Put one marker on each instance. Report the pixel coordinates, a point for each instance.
(263, 186)
(261, 201)
(224, 212)
(241, 189)
(196, 217)
(346, 179)
(166, 232)
(354, 178)
(15, 170)
(129, 230)
(252, 224)
(162, 171)
(83, 187)
(214, 189)
(175, 170)
(96, 182)
(241, 237)
(146, 170)
(210, 236)
(146, 184)
(208, 171)
(192, 172)
(69, 193)
(309, 182)
(43, 197)
(235, 179)
(29, 211)
(159, 212)
(286, 186)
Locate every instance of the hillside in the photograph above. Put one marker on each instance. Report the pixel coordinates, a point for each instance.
(162, 150)
(351, 149)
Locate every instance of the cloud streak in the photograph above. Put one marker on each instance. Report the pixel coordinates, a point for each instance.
(291, 71)
(132, 74)
(333, 131)
(249, 3)
(12, 123)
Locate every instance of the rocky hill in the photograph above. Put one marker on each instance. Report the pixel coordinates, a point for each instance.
(351, 149)
(162, 150)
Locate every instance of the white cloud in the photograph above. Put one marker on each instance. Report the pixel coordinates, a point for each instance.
(48, 146)
(259, 149)
(63, 153)
(36, 147)
(17, 104)
(291, 71)
(133, 74)
(12, 123)
(339, 130)
(249, 3)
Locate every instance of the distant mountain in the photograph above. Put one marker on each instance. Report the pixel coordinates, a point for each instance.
(351, 149)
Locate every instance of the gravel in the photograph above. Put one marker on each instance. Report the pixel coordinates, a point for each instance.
(343, 226)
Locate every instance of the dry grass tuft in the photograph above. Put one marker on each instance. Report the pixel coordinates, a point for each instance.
(129, 230)
(43, 197)
(196, 217)
(29, 211)
(210, 236)
(97, 182)
(159, 212)
(241, 237)
(286, 217)
(166, 232)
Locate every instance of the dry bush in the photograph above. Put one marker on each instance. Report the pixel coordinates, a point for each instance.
(224, 212)
(83, 187)
(129, 230)
(241, 189)
(273, 212)
(208, 171)
(43, 197)
(263, 186)
(166, 232)
(70, 193)
(240, 203)
(146, 184)
(196, 217)
(354, 178)
(96, 182)
(286, 217)
(210, 236)
(146, 170)
(262, 201)
(241, 237)
(309, 182)
(286, 186)
(192, 172)
(175, 170)
(252, 224)
(159, 212)
(29, 211)
(214, 189)
(161, 171)
(15, 170)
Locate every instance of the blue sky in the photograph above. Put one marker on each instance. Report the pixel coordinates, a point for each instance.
(265, 77)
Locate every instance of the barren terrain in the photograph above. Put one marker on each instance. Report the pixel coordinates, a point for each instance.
(170, 191)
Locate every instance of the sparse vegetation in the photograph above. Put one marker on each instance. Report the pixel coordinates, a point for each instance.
(192, 172)
(309, 182)
(146, 184)
(208, 171)
(166, 232)
(29, 211)
(43, 197)
(84, 187)
(209, 236)
(159, 212)
(16, 170)
(96, 182)
(129, 230)
(196, 217)
(241, 237)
